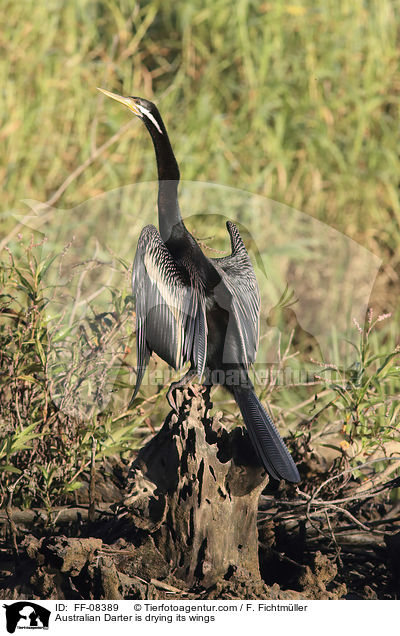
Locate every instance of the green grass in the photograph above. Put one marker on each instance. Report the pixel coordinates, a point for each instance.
(295, 102)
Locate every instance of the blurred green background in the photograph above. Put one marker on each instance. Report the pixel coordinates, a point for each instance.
(298, 102)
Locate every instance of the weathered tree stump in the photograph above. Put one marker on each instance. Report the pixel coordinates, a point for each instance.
(194, 489)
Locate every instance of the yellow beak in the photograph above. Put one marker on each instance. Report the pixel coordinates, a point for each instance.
(126, 101)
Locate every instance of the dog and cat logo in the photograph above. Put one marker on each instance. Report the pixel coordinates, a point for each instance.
(26, 615)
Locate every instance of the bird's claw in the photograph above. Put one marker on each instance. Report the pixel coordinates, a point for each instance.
(197, 389)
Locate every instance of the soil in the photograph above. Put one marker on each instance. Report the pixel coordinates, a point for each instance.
(58, 566)
(102, 560)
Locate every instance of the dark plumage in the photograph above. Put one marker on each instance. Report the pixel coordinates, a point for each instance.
(191, 308)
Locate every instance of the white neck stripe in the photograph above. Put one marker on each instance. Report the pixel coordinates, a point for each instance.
(148, 114)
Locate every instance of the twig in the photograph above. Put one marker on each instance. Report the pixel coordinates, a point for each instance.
(346, 472)
(10, 517)
(352, 517)
(168, 588)
(62, 515)
(92, 482)
(328, 521)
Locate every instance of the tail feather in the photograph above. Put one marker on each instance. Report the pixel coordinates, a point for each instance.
(140, 371)
(265, 437)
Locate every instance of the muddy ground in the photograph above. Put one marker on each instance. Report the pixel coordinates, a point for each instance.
(73, 558)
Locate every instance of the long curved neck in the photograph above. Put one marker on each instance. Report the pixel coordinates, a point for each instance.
(169, 215)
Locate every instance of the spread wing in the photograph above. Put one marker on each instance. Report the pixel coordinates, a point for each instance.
(170, 310)
(239, 284)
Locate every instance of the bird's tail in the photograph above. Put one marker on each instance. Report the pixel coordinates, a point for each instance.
(264, 436)
(140, 371)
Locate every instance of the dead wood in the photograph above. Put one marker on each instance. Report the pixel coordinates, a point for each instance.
(194, 489)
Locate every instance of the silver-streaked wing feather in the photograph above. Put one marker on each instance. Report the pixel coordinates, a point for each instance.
(239, 279)
(169, 310)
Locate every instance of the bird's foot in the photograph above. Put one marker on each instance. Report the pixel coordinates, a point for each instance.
(197, 390)
(181, 384)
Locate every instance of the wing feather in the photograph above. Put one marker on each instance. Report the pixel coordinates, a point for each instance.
(169, 308)
(239, 280)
